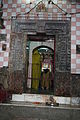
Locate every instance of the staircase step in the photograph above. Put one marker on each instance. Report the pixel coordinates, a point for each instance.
(43, 98)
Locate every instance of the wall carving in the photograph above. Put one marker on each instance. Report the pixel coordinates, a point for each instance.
(60, 29)
(50, 27)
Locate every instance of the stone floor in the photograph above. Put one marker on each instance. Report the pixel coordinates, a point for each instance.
(19, 118)
(37, 104)
(33, 111)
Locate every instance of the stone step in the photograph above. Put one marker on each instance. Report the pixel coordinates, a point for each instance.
(43, 98)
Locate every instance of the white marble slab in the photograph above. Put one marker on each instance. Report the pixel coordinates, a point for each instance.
(44, 98)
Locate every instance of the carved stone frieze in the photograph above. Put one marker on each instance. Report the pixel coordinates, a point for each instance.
(47, 26)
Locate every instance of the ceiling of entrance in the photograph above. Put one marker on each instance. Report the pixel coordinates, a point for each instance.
(40, 37)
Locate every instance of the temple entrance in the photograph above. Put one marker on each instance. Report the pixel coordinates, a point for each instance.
(29, 36)
(42, 68)
(40, 65)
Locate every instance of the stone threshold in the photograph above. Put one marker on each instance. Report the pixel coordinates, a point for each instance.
(29, 104)
(31, 98)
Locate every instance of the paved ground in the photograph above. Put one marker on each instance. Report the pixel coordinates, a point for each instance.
(19, 118)
(26, 111)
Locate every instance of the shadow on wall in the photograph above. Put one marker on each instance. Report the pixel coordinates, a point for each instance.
(4, 77)
(67, 84)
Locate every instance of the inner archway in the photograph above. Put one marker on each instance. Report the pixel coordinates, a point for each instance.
(41, 59)
(43, 68)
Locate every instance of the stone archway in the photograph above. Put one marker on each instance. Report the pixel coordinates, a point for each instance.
(60, 29)
(33, 46)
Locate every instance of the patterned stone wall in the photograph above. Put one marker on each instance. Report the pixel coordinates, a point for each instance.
(17, 63)
(4, 77)
(67, 84)
(62, 47)
(62, 84)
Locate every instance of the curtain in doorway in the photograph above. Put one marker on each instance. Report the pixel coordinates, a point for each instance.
(36, 70)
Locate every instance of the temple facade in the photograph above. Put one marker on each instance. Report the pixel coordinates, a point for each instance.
(40, 46)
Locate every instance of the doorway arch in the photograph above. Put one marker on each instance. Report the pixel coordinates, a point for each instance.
(44, 47)
(32, 46)
(42, 68)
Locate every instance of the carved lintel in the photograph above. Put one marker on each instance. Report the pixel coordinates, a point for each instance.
(40, 26)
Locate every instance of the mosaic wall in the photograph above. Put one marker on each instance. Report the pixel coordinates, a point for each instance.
(13, 8)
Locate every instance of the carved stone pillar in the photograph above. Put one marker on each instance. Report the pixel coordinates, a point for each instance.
(17, 62)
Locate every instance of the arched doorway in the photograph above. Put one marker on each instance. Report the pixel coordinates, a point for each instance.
(40, 57)
(42, 69)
